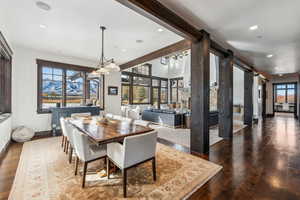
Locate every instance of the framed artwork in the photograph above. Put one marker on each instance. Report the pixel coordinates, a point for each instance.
(112, 90)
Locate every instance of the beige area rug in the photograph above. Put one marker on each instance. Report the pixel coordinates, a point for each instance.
(44, 174)
(182, 136)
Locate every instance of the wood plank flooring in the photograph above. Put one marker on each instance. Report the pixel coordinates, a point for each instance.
(262, 162)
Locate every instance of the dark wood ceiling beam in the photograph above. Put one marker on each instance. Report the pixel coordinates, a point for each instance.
(162, 15)
(179, 46)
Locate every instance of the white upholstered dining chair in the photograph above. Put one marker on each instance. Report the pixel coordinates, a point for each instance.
(67, 129)
(109, 115)
(117, 117)
(141, 122)
(125, 119)
(134, 151)
(87, 114)
(64, 141)
(86, 151)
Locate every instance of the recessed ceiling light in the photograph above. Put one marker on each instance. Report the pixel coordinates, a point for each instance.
(42, 5)
(270, 56)
(254, 27)
(160, 30)
(123, 50)
(139, 41)
(43, 26)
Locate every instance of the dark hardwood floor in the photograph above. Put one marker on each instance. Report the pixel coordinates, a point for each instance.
(262, 162)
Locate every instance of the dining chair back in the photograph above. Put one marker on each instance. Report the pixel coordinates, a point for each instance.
(109, 115)
(87, 114)
(86, 151)
(117, 117)
(134, 151)
(141, 122)
(139, 148)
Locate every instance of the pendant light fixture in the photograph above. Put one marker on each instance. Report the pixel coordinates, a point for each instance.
(105, 66)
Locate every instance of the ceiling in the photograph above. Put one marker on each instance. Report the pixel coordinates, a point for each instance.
(228, 22)
(72, 29)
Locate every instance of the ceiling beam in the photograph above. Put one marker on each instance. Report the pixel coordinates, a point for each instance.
(157, 12)
(179, 46)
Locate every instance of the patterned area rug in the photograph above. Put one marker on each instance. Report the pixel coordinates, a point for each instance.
(182, 136)
(44, 174)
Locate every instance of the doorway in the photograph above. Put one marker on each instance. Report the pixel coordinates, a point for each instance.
(285, 98)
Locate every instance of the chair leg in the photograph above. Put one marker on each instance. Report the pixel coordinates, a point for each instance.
(107, 167)
(67, 150)
(76, 165)
(70, 154)
(84, 173)
(124, 173)
(62, 141)
(65, 144)
(154, 169)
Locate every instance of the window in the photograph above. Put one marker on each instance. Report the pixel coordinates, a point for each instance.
(138, 88)
(125, 89)
(94, 85)
(164, 92)
(5, 76)
(66, 85)
(52, 87)
(143, 69)
(74, 88)
(284, 97)
(125, 94)
(176, 87)
(141, 90)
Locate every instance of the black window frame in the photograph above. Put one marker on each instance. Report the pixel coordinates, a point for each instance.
(64, 67)
(131, 85)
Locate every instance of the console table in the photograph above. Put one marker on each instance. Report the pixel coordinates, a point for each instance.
(57, 113)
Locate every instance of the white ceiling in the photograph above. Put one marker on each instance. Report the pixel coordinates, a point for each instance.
(73, 28)
(229, 21)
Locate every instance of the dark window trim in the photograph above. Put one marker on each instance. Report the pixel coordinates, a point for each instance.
(64, 67)
(296, 94)
(130, 84)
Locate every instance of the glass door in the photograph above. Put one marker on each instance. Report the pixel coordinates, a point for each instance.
(285, 97)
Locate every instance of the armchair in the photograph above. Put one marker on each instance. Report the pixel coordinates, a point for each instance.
(134, 151)
(86, 152)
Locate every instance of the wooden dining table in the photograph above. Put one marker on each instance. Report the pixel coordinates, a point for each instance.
(103, 131)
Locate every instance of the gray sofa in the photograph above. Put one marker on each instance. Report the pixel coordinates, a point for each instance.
(172, 119)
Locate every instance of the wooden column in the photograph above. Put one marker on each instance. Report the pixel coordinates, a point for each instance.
(264, 96)
(200, 95)
(225, 96)
(298, 99)
(248, 98)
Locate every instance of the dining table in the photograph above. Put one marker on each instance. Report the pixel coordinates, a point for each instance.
(104, 130)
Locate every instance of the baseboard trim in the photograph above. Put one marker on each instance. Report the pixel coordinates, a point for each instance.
(43, 133)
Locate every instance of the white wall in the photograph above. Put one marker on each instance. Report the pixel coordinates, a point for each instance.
(278, 79)
(238, 86)
(24, 87)
(113, 102)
